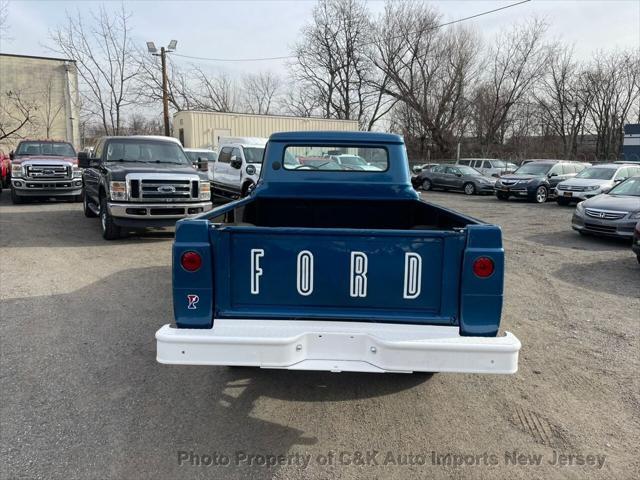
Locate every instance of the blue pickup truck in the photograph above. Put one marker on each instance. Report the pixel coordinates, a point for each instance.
(338, 267)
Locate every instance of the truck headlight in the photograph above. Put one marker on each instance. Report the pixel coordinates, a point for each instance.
(16, 170)
(580, 207)
(204, 191)
(77, 172)
(635, 216)
(118, 190)
(592, 187)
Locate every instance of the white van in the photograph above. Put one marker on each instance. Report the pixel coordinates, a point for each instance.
(237, 168)
(490, 167)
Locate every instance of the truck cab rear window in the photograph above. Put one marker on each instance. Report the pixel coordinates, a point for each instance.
(336, 158)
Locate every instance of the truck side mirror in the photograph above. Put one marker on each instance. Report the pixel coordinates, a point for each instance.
(553, 175)
(83, 160)
(11, 155)
(202, 164)
(236, 162)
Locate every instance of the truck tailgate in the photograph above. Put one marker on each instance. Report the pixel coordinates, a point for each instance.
(340, 274)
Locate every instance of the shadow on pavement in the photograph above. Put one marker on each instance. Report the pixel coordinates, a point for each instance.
(572, 239)
(617, 277)
(64, 228)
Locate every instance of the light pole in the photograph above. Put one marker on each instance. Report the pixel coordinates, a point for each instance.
(151, 47)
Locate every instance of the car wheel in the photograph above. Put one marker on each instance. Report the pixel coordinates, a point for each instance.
(110, 231)
(502, 196)
(247, 189)
(85, 205)
(469, 188)
(541, 194)
(15, 198)
(562, 201)
(426, 185)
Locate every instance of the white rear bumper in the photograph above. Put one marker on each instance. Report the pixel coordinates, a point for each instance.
(337, 346)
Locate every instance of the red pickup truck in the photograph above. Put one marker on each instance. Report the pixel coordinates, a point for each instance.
(45, 168)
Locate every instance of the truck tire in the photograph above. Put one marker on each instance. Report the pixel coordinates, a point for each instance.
(502, 196)
(247, 188)
(426, 185)
(469, 188)
(110, 231)
(16, 199)
(541, 194)
(85, 206)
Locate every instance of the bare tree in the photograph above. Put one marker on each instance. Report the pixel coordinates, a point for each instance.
(562, 99)
(517, 60)
(427, 68)
(612, 83)
(260, 91)
(4, 19)
(180, 90)
(217, 93)
(106, 63)
(333, 67)
(51, 107)
(298, 102)
(18, 115)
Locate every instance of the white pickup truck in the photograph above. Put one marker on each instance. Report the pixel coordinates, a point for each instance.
(237, 169)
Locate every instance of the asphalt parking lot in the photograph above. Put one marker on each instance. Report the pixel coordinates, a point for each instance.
(82, 396)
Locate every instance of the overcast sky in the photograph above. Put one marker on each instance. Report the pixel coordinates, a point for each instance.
(268, 28)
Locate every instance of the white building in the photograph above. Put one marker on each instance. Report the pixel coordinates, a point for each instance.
(48, 87)
(197, 129)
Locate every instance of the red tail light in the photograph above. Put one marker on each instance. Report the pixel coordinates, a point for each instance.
(191, 261)
(483, 267)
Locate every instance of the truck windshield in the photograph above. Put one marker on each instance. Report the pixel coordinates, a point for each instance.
(597, 173)
(253, 154)
(145, 151)
(56, 149)
(336, 158)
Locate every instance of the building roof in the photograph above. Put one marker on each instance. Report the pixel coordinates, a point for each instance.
(336, 136)
(37, 57)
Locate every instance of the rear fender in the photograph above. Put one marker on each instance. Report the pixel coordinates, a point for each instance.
(192, 291)
(481, 298)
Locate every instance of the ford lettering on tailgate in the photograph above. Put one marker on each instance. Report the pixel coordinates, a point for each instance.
(400, 279)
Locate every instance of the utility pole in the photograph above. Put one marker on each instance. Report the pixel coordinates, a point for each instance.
(165, 93)
(151, 47)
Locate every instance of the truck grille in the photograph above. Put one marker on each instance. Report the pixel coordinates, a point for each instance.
(163, 189)
(48, 171)
(604, 214)
(572, 188)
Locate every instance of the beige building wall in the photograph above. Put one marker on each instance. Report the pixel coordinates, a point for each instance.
(203, 129)
(50, 87)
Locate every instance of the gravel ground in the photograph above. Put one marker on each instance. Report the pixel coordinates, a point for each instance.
(82, 396)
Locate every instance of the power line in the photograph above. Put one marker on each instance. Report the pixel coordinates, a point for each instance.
(286, 57)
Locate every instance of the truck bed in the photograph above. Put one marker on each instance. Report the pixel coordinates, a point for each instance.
(363, 214)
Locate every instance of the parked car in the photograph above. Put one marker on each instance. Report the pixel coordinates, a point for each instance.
(141, 181)
(491, 167)
(5, 171)
(353, 162)
(636, 241)
(197, 155)
(44, 169)
(456, 177)
(237, 169)
(613, 214)
(593, 181)
(338, 270)
(536, 181)
(425, 166)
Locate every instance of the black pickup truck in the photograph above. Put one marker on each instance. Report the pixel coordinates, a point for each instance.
(141, 181)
